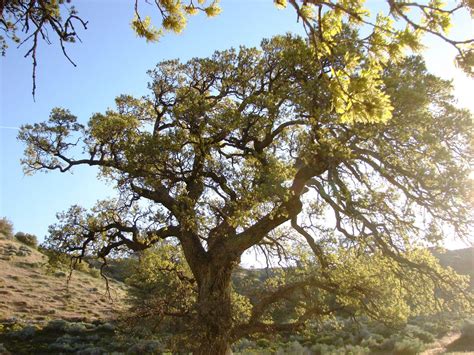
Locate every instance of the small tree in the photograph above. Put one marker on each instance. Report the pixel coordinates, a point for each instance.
(27, 238)
(246, 150)
(6, 228)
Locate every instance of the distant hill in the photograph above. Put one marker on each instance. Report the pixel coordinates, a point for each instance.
(461, 260)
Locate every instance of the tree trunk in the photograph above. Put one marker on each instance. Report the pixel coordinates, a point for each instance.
(214, 319)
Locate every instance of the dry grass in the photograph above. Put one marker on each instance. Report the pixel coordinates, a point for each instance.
(29, 293)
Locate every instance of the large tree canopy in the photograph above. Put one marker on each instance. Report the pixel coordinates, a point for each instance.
(399, 25)
(246, 149)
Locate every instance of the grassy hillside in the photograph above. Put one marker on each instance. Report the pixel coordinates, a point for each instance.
(32, 291)
(40, 313)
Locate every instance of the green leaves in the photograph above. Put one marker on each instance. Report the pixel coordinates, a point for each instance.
(358, 93)
(143, 28)
(49, 141)
(174, 14)
(465, 59)
(225, 151)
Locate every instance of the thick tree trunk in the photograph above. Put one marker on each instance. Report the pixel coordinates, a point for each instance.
(214, 311)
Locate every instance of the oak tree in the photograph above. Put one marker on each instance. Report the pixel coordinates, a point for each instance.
(389, 31)
(246, 149)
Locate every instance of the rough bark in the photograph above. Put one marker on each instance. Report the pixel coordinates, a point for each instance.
(214, 314)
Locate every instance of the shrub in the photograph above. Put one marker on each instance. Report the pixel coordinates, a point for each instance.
(355, 350)
(58, 325)
(373, 341)
(433, 328)
(263, 343)
(118, 269)
(56, 260)
(146, 347)
(416, 332)
(320, 349)
(387, 344)
(243, 345)
(27, 239)
(94, 272)
(296, 348)
(3, 349)
(26, 333)
(84, 266)
(408, 347)
(6, 228)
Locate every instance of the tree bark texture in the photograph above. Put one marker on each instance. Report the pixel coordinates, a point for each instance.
(214, 318)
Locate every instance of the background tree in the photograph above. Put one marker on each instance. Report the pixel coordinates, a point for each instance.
(246, 149)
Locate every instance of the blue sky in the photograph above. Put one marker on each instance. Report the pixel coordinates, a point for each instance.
(111, 60)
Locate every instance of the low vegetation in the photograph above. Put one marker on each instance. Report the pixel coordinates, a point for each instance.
(27, 239)
(33, 291)
(6, 229)
(41, 312)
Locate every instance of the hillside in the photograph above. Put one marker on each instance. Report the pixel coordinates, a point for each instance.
(461, 260)
(32, 291)
(41, 314)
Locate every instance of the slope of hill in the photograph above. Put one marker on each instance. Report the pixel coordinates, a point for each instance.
(40, 313)
(33, 292)
(461, 260)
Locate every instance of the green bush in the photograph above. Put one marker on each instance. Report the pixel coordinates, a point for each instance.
(118, 269)
(146, 347)
(294, 348)
(27, 239)
(435, 328)
(263, 343)
(56, 260)
(373, 341)
(408, 347)
(356, 350)
(243, 345)
(6, 228)
(84, 266)
(416, 332)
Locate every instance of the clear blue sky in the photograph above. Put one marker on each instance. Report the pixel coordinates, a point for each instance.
(112, 61)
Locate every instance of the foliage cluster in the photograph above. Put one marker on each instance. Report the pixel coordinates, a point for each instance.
(6, 228)
(362, 336)
(163, 295)
(162, 292)
(118, 269)
(61, 336)
(28, 239)
(61, 262)
(399, 26)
